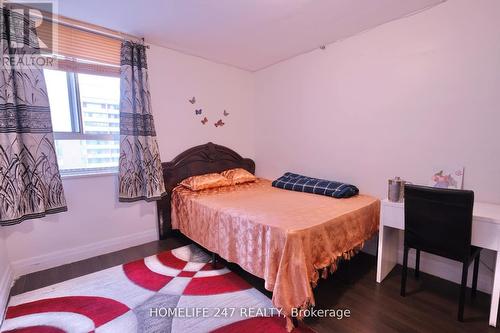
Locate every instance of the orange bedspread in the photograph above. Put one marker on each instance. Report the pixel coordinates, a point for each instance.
(282, 236)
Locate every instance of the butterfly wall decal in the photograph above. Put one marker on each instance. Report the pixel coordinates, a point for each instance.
(219, 123)
(199, 112)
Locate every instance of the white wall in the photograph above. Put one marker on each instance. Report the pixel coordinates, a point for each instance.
(175, 78)
(4, 260)
(399, 100)
(96, 222)
(5, 274)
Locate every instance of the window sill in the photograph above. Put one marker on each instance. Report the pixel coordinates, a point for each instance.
(87, 174)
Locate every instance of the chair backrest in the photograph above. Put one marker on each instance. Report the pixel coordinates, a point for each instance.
(439, 221)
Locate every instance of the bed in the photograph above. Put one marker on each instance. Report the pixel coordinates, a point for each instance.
(287, 238)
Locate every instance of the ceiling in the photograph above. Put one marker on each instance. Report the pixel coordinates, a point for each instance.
(248, 34)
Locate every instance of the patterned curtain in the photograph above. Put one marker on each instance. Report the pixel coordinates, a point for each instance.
(140, 175)
(30, 183)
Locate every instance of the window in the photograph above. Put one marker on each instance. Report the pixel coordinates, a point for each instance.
(85, 119)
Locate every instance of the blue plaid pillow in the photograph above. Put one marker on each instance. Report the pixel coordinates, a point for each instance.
(295, 182)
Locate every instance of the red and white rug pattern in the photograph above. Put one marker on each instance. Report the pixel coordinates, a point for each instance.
(175, 291)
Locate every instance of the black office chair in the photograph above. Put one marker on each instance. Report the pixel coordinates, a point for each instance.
(439, 221)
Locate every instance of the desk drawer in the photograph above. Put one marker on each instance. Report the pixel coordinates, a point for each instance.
(393, 216)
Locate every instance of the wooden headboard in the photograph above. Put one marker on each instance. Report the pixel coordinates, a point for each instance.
(195, 161)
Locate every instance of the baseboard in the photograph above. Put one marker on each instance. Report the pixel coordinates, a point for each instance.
(58, 258)
(6, 282)
(445, 268)
(450, 270)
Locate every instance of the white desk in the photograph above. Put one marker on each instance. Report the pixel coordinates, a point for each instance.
(485, 234)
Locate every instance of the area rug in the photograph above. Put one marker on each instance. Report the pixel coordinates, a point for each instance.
(174, 291)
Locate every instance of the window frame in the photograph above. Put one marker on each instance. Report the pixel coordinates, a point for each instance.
(77, 130)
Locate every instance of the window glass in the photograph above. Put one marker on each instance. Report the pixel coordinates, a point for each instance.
(60, 110)
(90, 103)
(81, 155)
(100, 99)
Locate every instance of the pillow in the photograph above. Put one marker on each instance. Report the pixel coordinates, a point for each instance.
(238, 176)
(295, 182)
(202, 182)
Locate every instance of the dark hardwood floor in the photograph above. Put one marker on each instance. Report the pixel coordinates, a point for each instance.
(430, 304)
